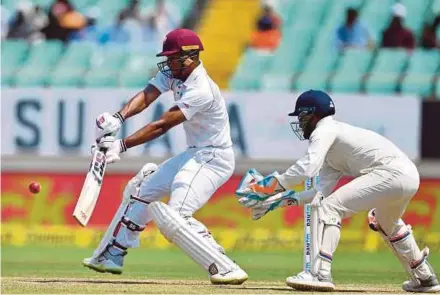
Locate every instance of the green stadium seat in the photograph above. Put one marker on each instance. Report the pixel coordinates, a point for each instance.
(422, 67)
(390, 61)
(134, 79)
(11, 5)
(276, 83)
(109, 10)
(140, 62)
(83, 5)
(8, 78)
(417, 84)
(138, 69)
(78, 55)
(61, 77)
(287, 11)
(44, 55)
(250, 70)
(101, 78)
(376, 14)
(435, 6)
(244, 84)
(42, 58)
(105, 66)
(14, 53)
(424, 62)
(317, 70)
(416, 12)
(31, 77)
(386, 71)
(352, 67)
(289, 57)
(310, 13)
(112, 58)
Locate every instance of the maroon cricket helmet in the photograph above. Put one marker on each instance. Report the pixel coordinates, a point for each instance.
(179, 40)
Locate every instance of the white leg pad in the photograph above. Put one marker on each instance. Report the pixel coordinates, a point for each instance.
(405, 248)
(327, 234)
(201, 229)
(130, 190)
(177, 231)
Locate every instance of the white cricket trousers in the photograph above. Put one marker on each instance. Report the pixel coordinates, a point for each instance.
(389, 189)
(190, 179)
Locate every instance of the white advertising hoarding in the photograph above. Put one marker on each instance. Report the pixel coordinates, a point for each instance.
(56, 122)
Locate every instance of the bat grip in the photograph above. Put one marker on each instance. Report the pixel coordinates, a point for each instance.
(104, 150)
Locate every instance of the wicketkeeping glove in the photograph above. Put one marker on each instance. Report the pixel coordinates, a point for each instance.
(287, 198)
(262, 189)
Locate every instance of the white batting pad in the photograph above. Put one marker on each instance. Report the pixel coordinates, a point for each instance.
(108, 236)
(177, 231)
(131, 189)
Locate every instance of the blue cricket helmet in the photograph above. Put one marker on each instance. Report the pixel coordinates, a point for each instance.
(314, 102)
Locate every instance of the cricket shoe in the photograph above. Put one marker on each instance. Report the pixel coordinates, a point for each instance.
(429, 285)
(111, 261)
(233, 277)
(305, 281)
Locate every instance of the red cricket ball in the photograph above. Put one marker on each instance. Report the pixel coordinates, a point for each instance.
(34, 187)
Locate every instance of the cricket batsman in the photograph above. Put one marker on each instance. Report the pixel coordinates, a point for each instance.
(190, 178)
(385, 182)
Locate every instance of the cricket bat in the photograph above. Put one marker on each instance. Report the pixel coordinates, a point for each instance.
(91, 188)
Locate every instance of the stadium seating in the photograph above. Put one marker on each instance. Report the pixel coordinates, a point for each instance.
(244, 78)
(14, 53)
(352, 67)
(421, 69)
(320, 65)
(387, 68)
(40, 61)
(306, 57)
(137, 70)
(106, 64)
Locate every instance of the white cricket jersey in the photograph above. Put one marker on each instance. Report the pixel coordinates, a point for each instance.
(338, 148)
(200, 100)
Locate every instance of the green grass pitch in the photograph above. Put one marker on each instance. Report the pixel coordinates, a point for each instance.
(58, 270)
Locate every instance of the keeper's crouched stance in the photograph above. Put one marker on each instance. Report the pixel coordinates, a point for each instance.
(190, 178)
(385, 182)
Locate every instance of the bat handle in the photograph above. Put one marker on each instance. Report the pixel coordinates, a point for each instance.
(104, 150)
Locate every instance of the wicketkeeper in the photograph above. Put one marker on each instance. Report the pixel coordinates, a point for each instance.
(385, 182)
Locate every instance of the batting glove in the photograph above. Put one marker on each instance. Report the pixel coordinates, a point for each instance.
(112, 147)
(107, 124)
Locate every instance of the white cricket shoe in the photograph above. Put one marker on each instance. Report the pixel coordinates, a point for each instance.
(430, 285)
(305, 281)
(102, 264)
(234, 277)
